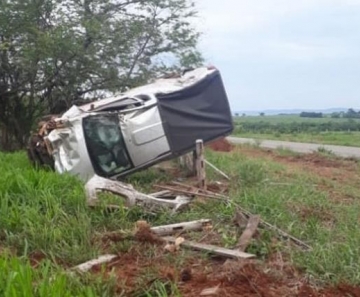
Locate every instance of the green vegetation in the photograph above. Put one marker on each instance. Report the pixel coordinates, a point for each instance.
(326, 130)
(44, 213)
(54, 54)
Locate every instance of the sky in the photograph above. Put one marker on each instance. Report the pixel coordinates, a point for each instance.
(284, 54)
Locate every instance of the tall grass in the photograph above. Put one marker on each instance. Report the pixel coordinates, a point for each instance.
(291, 200)
(18, 278)
(41, 211)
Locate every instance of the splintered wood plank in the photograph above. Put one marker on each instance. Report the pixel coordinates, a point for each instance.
(180, 227)
(235, 254)
(248, 233)
(84, 267)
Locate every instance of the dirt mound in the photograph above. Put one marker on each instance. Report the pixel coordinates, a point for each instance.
(144, 233)
(220, 145)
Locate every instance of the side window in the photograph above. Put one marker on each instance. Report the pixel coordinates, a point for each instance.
(105, 144)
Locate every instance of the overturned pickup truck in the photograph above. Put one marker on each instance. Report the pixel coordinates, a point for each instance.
(117, 136)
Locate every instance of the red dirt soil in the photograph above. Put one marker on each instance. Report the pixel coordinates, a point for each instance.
(220, 145)
(145, 263)
(243, 278)
(36, 258)
(313, 160)
(335, 170)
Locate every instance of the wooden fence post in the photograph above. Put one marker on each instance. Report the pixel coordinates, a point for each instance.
(187, 163)
(200, 164)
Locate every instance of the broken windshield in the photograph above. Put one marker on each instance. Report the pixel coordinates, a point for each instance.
(106, 145)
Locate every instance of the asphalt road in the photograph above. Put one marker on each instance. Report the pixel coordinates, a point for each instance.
(342, 151)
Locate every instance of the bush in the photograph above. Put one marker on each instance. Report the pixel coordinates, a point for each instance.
(311, 114)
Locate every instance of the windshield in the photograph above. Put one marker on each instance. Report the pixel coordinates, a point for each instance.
(106, 145)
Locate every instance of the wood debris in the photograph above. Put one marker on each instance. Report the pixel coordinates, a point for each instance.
(130, 196)
(210, 291)
(220, 251)
(200, 164)
(248, 233)
(181, 227)
(191, 193)
(217, 170)
(282, 233)
(84, 267)
(173, 247)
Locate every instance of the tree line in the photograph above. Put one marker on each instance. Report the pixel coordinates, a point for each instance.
(266, 127)
(56, 53)
(349, 114)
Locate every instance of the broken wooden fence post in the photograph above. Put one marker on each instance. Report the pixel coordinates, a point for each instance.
(282, 233)
(248, 233)
(200, 164)
(220, 251)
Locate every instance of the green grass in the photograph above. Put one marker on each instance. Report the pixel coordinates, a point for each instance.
(17, 278)
(278, 119)
(286, 206)
(295, 128)
(333, 138)
(45, 212)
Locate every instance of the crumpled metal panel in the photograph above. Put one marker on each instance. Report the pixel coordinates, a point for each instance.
(69, 148)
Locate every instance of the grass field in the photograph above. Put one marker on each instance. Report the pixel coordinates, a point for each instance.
(295, 128)
(278, 119)
(334, 138)
(46, 228)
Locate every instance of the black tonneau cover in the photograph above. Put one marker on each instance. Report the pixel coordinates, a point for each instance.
(200, 111)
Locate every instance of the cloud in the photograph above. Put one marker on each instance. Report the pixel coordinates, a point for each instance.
(243, 15)
(283, 53)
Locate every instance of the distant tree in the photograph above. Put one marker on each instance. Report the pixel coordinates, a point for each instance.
(243, 115)
(262, 114)
(335, 115)
(305, 114)
(352, 114)
(236, 114)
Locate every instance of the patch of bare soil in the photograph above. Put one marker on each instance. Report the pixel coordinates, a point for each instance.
(146, 262)
(335, 170)
(252, 278)
(220, 145)
(136, 271)
(313, 160)
(36, 258)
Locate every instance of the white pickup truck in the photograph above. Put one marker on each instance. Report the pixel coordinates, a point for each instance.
(117, 136)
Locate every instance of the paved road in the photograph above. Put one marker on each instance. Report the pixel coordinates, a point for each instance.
(342, 151)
